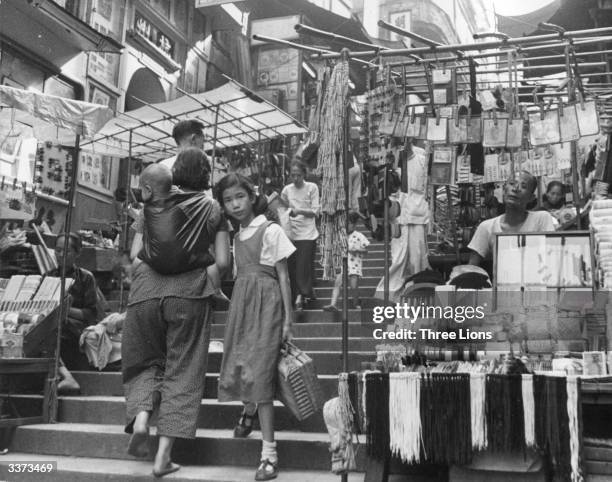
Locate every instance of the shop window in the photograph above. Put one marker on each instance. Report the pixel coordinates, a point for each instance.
(163, 7)
(181, 12)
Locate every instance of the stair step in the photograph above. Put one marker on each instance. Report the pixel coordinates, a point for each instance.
(363, 282)
(365, 291)
(296, 450)
(332, 343)
(213, 414)
(109, 384)
(78, 469)
(314, 329)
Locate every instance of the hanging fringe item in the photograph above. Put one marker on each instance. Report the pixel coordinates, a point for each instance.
(504, 406)
(552, 424)
(405, 416)
(353, 392)
(377, 412)
(445, 418)
(573, 413)
(330, 166)
(529, 410)
(363, 411)
(346, 408)
(341, 437)
(479, 422)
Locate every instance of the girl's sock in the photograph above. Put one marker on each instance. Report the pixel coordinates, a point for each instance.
(268, 451)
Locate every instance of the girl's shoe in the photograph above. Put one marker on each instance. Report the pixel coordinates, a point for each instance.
(245, 425)
(266, 470)
(331, 308)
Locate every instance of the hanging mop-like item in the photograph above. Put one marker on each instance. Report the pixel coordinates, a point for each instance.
(330, 166)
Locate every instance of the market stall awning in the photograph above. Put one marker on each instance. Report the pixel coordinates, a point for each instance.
(243, 118)
(41, 111)
(50, 31)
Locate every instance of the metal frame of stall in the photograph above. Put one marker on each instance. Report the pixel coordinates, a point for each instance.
(80, 118)
(514, 46)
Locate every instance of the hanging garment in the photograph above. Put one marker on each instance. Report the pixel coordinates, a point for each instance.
(552, 424)
(528, 410)
(405, 416)
(477, 410)
(377, 410)
(504, 407)
(445, 418)
(573, 413)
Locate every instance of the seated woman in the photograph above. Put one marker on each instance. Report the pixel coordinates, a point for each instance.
(554, 199)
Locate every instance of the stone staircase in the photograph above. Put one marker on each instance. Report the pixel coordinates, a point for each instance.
(88, 443)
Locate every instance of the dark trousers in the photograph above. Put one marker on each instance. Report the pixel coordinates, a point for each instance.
(70, 352)
(164, 354)
(301, 268)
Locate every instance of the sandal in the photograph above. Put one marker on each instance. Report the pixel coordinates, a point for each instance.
(266, 470)
(245, 425)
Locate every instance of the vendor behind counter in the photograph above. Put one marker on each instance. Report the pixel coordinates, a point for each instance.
(518, 193)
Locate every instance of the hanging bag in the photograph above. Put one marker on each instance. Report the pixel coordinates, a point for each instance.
(588, 120)
(494, 130)
(568, 123)
(298, 386)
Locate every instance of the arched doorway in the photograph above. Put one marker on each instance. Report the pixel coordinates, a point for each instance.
(146, 86)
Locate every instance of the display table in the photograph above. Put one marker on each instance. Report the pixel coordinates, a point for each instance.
(20, 366)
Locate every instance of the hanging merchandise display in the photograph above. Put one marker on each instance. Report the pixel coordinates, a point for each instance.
(330, 166)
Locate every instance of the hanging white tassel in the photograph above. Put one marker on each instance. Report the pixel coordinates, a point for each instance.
(346, 408)
(574, 424)
(479, 421)
(405, 415)
(364, 414)
(529, 410)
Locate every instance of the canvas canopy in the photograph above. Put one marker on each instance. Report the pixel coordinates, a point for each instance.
(49, 116)
(231, 114)
(243, 118)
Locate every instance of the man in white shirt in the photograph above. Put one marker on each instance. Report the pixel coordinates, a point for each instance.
(517, 194)
(186, 133)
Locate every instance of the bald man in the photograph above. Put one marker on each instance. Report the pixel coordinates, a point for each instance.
(517, 219)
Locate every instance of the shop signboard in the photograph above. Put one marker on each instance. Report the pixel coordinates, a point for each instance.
(153, 35)
(106, 18)
(276, 27)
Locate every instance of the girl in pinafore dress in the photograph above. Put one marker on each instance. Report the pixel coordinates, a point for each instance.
(260, 316)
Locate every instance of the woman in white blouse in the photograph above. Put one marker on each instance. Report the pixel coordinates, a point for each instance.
(303, 200)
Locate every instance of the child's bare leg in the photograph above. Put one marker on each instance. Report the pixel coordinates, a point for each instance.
(268, 468)
(354, 284)
(335, 294)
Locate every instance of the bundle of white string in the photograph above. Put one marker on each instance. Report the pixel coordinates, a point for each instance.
(346, 409)
(405, 415)
(572, 413)
(479, 421)
(529, 410)
(364, 413)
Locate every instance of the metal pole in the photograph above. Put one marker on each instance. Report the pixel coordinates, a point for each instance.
(340, 38)
(345, 278)
(305, 48)
(214, 147)
(63, 309)
(485, 55)
(127, 216)
(571, 95)
(386, 234)
(530, 40)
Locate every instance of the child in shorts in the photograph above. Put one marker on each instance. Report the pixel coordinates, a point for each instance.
(357, 249)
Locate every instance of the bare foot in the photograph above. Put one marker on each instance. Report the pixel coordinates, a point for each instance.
(138, 445)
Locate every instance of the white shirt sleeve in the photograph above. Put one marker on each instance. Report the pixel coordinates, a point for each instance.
(314, 199)
(275, 246)
(547, 223)
(481, 240)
